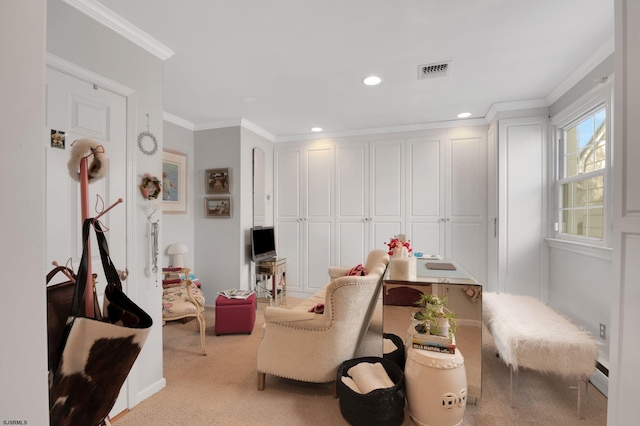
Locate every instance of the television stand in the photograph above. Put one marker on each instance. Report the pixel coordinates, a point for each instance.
(270, 281)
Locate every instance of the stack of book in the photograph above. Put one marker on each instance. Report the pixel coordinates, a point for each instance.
(434, 343)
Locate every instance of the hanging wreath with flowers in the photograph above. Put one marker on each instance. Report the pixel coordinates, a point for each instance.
(150, 187)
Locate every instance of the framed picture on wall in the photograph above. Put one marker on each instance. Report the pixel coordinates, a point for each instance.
(217, 181)
(219, 207)
(174, 182)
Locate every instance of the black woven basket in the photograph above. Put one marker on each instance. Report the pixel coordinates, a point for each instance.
(396, 356)
(384, 407)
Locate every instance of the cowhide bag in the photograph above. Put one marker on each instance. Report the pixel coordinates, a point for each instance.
(95, 355)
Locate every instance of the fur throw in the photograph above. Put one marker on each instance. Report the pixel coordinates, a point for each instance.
(84, 148)
(530, 334)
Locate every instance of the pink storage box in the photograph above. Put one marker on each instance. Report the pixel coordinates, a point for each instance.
(235, 315)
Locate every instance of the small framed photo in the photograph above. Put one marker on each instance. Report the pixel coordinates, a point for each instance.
(217, 181)
(217, 207)
(174, 182)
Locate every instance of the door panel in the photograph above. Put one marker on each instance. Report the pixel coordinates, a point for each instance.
(82, 111)
(288, 239)
(387, 180)
(318, 254)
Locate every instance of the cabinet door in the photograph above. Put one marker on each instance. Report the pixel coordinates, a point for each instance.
(288, 213)
(352, 198)
(466, 202)
(387, 192)
(425, 194)
(318, 217)
(521, 204)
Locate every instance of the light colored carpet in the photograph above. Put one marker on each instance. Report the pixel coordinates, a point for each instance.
(220, 389)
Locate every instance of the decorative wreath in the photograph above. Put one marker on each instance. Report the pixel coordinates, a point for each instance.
(141, 137)
(150, 187)
(84, 148)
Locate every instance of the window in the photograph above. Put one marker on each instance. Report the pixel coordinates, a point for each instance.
(582, 169)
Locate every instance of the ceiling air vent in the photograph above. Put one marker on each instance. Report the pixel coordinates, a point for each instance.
(433, 70)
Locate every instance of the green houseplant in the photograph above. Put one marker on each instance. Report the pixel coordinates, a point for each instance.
(434, 317)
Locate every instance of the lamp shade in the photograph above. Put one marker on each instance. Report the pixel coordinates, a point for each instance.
(176, 250)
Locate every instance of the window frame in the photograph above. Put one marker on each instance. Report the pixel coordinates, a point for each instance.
(600, 97)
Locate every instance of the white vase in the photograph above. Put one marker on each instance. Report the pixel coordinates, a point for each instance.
(443, 326)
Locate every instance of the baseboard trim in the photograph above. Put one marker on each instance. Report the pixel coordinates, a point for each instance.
(151, 390)
(600, 379)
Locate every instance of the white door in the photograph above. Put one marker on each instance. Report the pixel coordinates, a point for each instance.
(466, 201)
(425, 193)
(387, 192)
(81, 110)
(317, 216)
(352, 204)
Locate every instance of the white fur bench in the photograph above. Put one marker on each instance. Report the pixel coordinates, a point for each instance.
(529, 334)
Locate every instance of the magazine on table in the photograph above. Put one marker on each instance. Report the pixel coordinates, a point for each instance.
(236, 294)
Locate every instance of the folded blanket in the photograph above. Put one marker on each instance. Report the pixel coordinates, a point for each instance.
(370, 376)
(389, 346)
(351, 384)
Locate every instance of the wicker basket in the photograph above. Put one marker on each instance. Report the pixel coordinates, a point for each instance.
(384, 407)
(396, 356)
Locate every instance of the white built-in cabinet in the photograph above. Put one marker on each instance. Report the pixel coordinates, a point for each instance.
(518, 257)
(304, 198)
(370, 205)
(447, 196)
(334, 203)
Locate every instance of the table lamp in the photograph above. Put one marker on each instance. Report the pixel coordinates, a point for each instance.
(176, 250)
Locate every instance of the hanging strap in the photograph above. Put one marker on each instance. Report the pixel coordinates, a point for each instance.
(81, 280)
(57, 269)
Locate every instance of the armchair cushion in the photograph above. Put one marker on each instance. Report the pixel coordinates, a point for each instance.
(176, 302)
(357, 270)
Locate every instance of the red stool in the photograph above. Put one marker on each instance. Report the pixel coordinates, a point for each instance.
(235, 315)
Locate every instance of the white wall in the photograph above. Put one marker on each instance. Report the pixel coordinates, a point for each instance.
(222, 251)
(217, 240)
(580, 280)
(73, 36)
(179, 227)
(23, 358)
(580, 287)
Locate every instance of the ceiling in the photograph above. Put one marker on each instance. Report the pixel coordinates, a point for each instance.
(302, 62)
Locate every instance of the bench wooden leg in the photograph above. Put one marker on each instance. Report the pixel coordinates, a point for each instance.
(513, 385)
(261, 379)
(582, 395)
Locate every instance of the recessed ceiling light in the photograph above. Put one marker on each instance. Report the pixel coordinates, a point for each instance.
(316, 129)
(372, 80)
(248, 100)
(464, 115)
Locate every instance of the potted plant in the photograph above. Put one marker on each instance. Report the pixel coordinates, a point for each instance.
(434, 317)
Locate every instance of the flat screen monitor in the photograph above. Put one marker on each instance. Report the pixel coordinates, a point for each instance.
(263, 243)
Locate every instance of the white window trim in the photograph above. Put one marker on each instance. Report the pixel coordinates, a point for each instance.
(603, 93)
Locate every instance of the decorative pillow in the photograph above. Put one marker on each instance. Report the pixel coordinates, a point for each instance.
(357, 270)
(318, 309)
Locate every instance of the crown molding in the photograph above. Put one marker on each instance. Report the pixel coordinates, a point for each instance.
(257, 130)
(117, 23)
(382, 130)
(178, 121)
(600, 55)
(513, 106)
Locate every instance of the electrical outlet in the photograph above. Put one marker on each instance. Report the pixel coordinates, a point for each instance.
(603, 331)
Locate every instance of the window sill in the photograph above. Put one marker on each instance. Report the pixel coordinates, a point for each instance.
(605, 253)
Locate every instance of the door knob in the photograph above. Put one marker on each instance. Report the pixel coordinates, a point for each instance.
(123, 274)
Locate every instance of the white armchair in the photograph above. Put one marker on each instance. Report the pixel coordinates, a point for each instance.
(307, 346)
